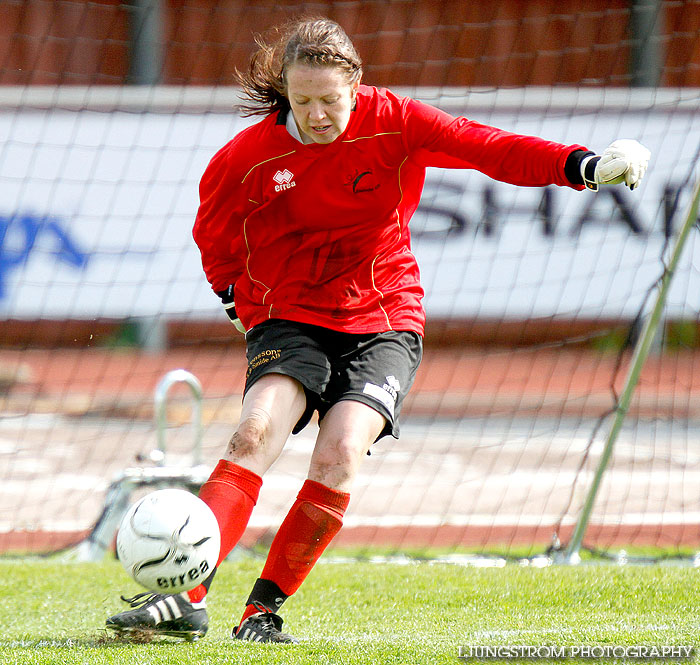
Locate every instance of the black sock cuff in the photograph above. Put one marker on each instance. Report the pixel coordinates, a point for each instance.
(267, 593)
(207, 583)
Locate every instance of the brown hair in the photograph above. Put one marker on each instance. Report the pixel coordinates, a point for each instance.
(312, 41)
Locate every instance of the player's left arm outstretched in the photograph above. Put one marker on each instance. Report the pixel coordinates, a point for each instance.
(438, 139)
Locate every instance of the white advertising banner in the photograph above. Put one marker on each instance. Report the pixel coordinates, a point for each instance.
(97, 206)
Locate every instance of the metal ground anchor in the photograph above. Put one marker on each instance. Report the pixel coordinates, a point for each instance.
(117, 499)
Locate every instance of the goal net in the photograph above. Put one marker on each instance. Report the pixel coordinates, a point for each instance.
(109, 113)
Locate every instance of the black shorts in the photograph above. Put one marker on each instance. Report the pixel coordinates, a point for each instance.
(376, 369)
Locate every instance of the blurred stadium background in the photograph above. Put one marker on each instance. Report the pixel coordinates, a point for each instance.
(109, 113)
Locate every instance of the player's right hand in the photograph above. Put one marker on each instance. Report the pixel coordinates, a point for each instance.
(230, 308)
(623, 161)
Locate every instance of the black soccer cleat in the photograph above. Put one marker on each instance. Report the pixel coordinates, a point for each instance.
(157, 614)
(264, 626)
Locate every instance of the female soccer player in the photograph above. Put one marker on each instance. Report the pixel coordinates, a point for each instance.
(303, 231)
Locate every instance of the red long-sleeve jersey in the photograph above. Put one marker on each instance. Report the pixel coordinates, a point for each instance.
(319, 233)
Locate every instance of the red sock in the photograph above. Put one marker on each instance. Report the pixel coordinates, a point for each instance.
(309, 527)
(231, 492)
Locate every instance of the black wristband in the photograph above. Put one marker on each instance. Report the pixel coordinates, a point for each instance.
(589, 173)
(226, 295)
(572, 168)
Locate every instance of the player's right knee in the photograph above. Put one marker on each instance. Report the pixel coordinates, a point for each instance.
(250, 437)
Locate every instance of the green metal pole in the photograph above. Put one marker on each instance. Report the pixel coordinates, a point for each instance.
(646, 56)
(641, 351)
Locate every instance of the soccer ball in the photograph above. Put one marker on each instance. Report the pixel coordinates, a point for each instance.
(169, 541)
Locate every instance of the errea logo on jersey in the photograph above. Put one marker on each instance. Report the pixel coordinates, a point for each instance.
(283, 180)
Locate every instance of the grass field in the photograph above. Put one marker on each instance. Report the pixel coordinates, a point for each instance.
(350, 613)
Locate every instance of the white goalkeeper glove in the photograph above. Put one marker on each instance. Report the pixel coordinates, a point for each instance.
(623, 161)
(230, 308)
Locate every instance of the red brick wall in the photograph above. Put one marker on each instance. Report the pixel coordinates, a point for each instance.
(403, 42)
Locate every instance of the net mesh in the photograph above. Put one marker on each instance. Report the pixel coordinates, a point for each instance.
(109, 113)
